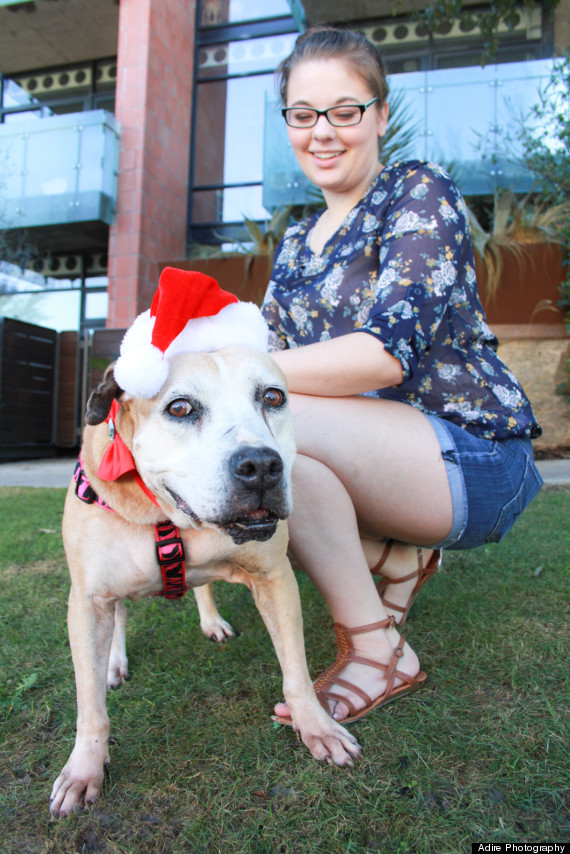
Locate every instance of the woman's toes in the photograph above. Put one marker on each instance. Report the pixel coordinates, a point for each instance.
(340, 712)
(282, 710)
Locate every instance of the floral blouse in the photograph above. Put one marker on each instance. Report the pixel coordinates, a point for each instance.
(401, 268)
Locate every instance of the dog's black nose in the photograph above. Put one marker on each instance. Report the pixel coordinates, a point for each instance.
(257, 468)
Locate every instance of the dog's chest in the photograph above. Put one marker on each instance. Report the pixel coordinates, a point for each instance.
(127, 564)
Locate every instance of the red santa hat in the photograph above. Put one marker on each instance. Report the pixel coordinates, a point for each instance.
(189, 313)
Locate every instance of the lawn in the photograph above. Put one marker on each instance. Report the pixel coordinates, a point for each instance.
(478, 755)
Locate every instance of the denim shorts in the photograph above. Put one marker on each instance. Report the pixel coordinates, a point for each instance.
(491, 481)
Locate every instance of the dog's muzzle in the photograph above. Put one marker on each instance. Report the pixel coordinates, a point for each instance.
(257, 494)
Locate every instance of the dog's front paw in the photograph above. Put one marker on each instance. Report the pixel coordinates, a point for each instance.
(79, 784)
(331, 743)
(327, 740)
(118, 670)
(217, 629)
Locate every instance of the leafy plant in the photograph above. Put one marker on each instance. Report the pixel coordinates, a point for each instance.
(515, 223)
(262, 238)
(266, 239)
(401, 132)
(548, 156)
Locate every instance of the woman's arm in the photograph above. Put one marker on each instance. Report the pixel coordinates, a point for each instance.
(347, 365)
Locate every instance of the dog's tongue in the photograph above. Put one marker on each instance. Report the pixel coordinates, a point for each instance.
(258, 515)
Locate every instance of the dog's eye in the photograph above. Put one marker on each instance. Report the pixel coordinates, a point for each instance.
(180, 408)
(273, 397)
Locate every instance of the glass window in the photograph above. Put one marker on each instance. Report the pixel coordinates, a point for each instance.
(42, 112)
(64, 90)
(216, 12)
(96, 306)
(229, 148)
(57, 310)
(53, 302)
(15, 96)
(243, 153)
(96, 282)
(56, 85)
(244, 57)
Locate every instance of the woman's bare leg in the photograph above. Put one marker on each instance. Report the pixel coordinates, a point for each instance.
(365, 468)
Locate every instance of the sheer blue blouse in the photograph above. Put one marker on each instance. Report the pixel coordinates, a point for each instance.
(401, 268)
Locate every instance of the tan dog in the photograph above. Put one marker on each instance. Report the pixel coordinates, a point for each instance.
(215, 446)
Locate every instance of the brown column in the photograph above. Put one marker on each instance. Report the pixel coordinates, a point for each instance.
(153, 106)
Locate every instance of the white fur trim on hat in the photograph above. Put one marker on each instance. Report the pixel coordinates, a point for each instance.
(236, 323)
(142, 369)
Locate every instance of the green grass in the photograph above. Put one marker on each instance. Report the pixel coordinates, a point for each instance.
(479, 754)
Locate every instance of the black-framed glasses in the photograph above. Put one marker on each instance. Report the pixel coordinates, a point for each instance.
(340, 117)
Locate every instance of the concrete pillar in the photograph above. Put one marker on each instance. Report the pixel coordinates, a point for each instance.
(153, 106)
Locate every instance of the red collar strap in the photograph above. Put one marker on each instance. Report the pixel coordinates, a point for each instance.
(169, 545)
(170, 553)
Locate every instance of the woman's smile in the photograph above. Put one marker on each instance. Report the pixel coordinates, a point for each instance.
(326, 155)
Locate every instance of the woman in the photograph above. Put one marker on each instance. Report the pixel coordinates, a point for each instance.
(412, 435)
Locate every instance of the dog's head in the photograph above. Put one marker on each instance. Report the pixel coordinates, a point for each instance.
(215, 445)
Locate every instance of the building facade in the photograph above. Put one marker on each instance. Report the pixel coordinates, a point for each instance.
(130, 131)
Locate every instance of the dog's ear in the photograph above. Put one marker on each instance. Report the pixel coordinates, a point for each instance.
(102, 397)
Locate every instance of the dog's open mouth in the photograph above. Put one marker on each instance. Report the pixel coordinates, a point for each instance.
(181, 505)
(253, 525)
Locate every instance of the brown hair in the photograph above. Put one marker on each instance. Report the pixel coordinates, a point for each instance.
(324, 42)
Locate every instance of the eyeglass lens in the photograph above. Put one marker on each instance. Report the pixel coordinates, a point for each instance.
(342, 116)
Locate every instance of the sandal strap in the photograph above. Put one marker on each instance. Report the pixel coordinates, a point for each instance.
(422, 574)
(347, 655)
(388, 623)
(344, 683)
(414, 574)
(346, 651)
(383, 558)
(322, 697)
(387, 604)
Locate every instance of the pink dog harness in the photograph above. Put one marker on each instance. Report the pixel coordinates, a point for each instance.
(169, 545)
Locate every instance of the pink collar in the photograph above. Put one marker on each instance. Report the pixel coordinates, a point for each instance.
(169, 545)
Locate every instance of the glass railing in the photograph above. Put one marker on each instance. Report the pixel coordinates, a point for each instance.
(460, 114)
(59, 169)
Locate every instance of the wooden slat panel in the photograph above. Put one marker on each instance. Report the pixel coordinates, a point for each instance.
(27, 383)
(67, 390)
(104, 350)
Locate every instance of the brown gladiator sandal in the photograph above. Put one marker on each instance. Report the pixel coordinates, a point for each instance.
(422, 573)
(346, 654)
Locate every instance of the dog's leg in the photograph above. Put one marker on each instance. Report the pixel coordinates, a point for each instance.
(277, 598)
(212, 624)
(118, 670)
(90, 623)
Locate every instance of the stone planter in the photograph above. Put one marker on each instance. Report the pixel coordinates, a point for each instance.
(528, 291)
(524, 315)
(540, 366)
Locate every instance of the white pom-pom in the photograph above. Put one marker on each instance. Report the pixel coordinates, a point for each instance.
(142, 370)
(140, 332)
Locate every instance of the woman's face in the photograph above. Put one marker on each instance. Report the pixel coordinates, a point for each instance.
(339, 160)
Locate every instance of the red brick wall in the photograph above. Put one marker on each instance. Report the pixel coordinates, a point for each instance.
(153, 105)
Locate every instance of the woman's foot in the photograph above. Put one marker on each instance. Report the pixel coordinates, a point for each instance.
(378, 646)
(403, 570)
